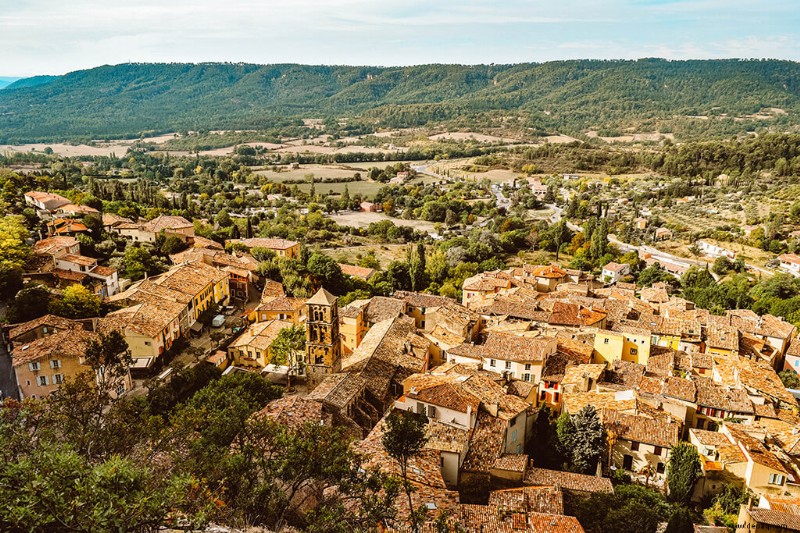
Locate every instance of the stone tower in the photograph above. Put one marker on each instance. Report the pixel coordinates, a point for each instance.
(323, 346)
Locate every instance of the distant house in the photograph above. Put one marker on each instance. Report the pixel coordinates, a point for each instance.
(150, 230)
(663, 234)
(790, 263)
(538, 189)
(371, 207)
(281, 247)
(713, 250)
(45, 203)
(641, 223)
(613, 272)
(357, 271)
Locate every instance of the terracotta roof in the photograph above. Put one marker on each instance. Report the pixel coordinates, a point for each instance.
(517, 348)
(418, 299)
(710, 394)
(637, 428)
(339, 390)
(548, 500)
(69, 343)
(710, 438)
(381, 308)
(680, 388)
(446, 438)
(442, 392)
(567, 480)
(166, 222)
(53, 245)
(775, 518)
(202, 242)
(783, 504)
(568, 314)
(272, 289)
(53, 322)
(549, 272)
(293, 411)
(49, 200)
(146, 318)
(322, 297)
(755, 448)
(552, 523)
(617, 400)
(615, 267)
(260, 335)
(575, 374)
(723, 337)
(282, 303)
(511, 462)
(625, 373)
(661, 364)
(357, 271)
(486, 444)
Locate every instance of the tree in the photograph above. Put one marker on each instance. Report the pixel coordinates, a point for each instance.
(789, 378)
(223, 219)
(13, 254)
(31, 302)
(682, 472)
(76, 302)
(680, 522)
(589, 439)
(288, 350)
(416, 267)
(403, 438)
(325, 272)
(138, 262)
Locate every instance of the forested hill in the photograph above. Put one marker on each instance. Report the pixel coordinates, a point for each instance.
(686, 97)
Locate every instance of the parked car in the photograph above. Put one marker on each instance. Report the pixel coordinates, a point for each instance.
(218, 321)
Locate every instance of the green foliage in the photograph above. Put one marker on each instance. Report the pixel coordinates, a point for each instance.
(682, 472)
(13, 254)
(76, 302)
(288, 349)
(631, 509)
(31, 302)
(403, 438)
(680, 522)
(790, 379)
(725, 506)
(138, 261)
(325, 272)
(581, 439)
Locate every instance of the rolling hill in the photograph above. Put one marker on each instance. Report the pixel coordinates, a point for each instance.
(689, 98)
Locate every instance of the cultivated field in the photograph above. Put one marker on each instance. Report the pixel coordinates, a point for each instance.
(361, 219)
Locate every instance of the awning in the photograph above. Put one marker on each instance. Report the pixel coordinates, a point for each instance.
(197, 327)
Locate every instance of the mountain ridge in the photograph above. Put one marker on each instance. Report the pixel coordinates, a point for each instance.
(574, 96)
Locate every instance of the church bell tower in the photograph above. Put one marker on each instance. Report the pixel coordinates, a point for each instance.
(323, 346)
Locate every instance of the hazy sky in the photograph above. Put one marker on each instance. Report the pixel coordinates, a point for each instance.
(58, 36)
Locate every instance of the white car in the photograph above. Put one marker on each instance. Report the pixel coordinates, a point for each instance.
(218, 321)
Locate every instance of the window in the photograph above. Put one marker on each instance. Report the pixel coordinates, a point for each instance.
(34, 366)
(55, 363)
(635, 446)
(605, 341)
(627, 462)
(542, 396)
(147, 343)
(776, 479)
(513, 421)
(526, 377)
(121, 390)
(420, 408)
(657, 450)
(555, 397)
(58, 379)
(527, 366)
(492, 362)
(508, 365)
(660, 468)
(431, 411)
(514, 436)
(42, 380)
(634, 351)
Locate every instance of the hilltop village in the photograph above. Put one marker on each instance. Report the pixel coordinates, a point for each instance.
(542, 387)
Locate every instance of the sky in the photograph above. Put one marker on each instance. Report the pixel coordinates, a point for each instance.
(59, 36)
